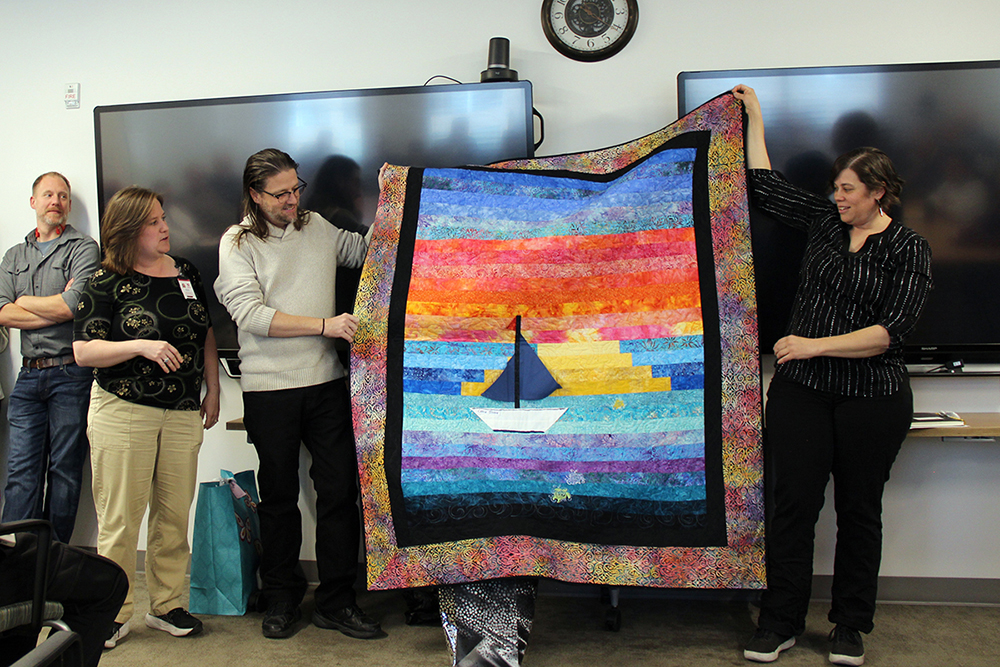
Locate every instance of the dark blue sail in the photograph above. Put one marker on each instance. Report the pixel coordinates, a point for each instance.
(525, 376)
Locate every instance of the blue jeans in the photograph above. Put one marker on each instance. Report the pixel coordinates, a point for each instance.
(48, 444)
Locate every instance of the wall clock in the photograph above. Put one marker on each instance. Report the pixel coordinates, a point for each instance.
(589, 30)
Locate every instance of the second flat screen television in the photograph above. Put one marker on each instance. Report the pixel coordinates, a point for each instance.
(193, 152)
(940, 124)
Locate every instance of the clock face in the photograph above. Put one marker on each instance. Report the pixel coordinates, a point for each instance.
(589, 29)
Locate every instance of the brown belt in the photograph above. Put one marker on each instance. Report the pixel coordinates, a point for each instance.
(47, 362)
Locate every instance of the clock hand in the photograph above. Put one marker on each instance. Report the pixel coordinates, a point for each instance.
(589, 10)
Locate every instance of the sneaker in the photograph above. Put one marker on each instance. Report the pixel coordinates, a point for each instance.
(118, 632)
(177, 622)
(765, 646)
(846, 647)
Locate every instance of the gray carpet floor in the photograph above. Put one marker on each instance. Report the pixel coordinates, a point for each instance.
(570, 631)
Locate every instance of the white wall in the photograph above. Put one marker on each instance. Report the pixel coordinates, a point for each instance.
(940, 512)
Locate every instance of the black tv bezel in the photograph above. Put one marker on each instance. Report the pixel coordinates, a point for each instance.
(230, 355)
(825, 69)
(921, 358)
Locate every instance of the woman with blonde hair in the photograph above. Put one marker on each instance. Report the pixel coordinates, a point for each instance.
(143, 324)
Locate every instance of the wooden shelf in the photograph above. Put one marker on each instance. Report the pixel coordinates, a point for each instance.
(977, 425)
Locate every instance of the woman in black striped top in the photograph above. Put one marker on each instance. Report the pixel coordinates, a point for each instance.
(840, 400)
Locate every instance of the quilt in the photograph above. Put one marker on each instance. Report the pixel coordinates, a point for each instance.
(631, 454)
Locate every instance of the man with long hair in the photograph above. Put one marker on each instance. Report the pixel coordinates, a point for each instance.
(277, 275)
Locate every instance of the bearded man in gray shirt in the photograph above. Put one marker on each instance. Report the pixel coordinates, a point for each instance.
(40, 285)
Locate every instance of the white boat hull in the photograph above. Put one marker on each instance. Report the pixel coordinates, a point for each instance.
(520, 420)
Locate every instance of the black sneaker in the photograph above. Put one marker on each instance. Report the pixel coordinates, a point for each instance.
(351, 621)
(177, 622)
(765, 646)
(846, 647)
(118, 632)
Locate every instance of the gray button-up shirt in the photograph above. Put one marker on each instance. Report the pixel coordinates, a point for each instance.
(24, 270)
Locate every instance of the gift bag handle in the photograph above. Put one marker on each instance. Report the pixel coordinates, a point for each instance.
(237, 490)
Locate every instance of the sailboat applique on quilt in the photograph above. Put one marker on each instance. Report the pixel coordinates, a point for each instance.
(556, 372)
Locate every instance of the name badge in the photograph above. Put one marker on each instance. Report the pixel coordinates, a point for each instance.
(186, 289)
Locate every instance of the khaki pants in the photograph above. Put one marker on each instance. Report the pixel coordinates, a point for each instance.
(144, 456)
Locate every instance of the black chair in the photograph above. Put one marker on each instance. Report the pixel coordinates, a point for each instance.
(31, 616)
(55, 650)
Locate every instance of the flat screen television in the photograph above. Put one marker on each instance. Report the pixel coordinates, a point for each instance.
(193, 152)
(940, 124)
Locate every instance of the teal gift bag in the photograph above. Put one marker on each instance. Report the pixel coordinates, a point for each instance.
(226, 548)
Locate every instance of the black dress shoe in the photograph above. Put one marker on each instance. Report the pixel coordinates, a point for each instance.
(351, 621)
(280, 619)
(422, 606)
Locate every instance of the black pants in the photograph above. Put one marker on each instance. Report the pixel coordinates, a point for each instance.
(811, 435)
(277, 422)
(91, 589)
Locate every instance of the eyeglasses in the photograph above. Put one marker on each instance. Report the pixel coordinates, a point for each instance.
(294, 192)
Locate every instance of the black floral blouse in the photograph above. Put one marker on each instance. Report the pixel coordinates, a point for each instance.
(116, 308)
